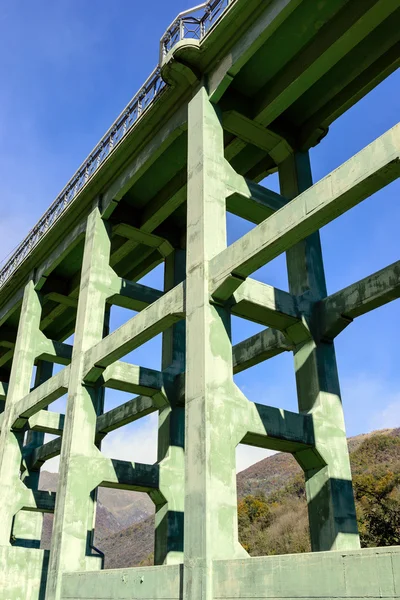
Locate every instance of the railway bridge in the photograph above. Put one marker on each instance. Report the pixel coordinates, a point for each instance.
(243, 89)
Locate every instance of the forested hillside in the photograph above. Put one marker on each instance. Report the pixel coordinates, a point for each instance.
(272, 509)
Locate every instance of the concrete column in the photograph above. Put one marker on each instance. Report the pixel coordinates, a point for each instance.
(171, 432)
(333, 524)
(211, 404)
(73, 520)
(27, 528)
(12, 488)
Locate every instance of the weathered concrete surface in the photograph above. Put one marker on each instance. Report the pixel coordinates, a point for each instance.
(331, 508)
(206, 145)
(371, 573)
(23, 573)
(371, 169)
(155, 583)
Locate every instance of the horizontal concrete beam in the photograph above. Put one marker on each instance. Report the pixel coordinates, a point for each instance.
(370, 170)
(250, 200)
(48, 350)
(124, 475)
(134, 296)
(55, 352)
(253, 133)
(153, 320)
(47, 422)
(259, 347)
(338, 310)
(264, 304)
(142, 237)
(39, 501)
(278, 429)
(62, 299)
(35, 458)
(40, 397)
(133, 379)
(126, 413)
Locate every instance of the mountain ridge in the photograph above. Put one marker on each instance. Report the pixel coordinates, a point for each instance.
(125, 520)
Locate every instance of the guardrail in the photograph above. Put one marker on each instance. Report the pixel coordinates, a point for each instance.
(195, 24)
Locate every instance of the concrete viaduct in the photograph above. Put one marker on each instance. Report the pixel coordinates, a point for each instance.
(244, 88)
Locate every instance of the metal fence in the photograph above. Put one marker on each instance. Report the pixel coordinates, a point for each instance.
(194, 24)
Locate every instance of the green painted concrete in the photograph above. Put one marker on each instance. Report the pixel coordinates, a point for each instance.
(371, 573)
(163, 197)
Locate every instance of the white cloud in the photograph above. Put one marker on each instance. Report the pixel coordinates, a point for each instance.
(390, 416)
(370, 403)
(136, 442)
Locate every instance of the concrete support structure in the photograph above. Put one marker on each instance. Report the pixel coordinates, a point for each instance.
(332, 513)
(247, 99)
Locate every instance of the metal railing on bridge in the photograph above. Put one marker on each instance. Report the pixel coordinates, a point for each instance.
(191, 24)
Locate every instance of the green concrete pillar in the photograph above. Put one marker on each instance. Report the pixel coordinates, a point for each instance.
(211, 402)
(27, 528)
(331, 509)
(12, 488)
(171, 432)
(73, 519)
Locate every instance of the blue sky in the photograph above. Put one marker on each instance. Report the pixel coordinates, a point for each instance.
(67, 69)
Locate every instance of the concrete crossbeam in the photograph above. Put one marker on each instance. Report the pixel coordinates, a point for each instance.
(278, 429)
(62, 299)
(126, 413)
(143, 237)
(154, 319)
(40, 501)
(42, 396)
(254, 133)
(47, 422)
(259, 347)
(51, 351)
(250, 200)
(129, 294)
(338, 310)
(264, 304)
(133, 379)
(371, 169)
(38, 456)
(124, 475)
